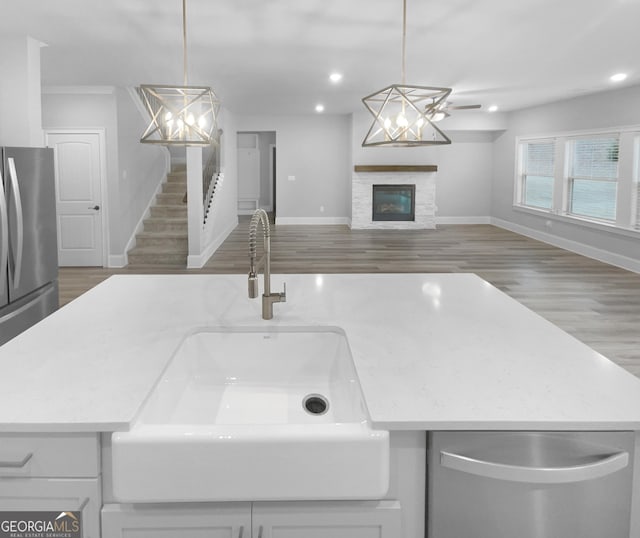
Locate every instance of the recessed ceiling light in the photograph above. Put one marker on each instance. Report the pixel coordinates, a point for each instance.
(335, 77)
(493, 108)
(319, 108)
(618, 77)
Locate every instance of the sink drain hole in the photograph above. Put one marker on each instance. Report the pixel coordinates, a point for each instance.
(315, 404)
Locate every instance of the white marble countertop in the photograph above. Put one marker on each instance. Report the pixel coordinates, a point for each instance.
(433, 352)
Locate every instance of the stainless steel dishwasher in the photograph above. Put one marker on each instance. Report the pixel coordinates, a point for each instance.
(529, 484)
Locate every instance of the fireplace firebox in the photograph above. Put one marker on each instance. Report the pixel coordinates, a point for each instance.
(394, 202)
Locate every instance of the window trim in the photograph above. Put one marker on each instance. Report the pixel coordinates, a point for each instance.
(602, 226)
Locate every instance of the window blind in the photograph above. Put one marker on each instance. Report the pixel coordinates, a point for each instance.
(593, 177)
(539, 157)
(595, 158)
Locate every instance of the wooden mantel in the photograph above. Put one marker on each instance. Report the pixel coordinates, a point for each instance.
(395, 168)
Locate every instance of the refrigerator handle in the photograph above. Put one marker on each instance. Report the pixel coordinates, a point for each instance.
(536, 475)
(17, 270)
(4, 237)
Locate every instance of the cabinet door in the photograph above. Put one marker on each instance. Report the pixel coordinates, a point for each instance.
(51, 455)
(366, 519)
(55, 494)
(203, 520)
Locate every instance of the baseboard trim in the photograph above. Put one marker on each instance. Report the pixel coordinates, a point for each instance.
(346, 220)
(594, 253)
(287, 221)
(463, 220)
(117, 261)
(195, 261)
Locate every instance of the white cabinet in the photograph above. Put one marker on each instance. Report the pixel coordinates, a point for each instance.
(367, 519)
(202, 520)
(348, 519)
(52, 472)
(39, 455)
(55, 495)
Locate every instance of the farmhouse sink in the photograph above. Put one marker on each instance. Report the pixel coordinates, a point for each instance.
(254, 414)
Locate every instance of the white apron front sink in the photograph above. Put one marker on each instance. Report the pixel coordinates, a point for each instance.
(254, 414)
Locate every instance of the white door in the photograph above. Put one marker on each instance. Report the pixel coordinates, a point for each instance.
(78, 158)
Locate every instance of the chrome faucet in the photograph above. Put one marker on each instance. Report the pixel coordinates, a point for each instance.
(268, 298)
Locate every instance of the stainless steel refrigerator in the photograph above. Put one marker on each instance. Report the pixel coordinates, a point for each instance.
(28, 239)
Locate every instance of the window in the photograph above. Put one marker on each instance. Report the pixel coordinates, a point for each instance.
(537, 174)
(593, 177)
(589, 177)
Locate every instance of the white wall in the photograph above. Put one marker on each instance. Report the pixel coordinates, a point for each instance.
(133, 169)
(314, 149)
(465, 168)
(227, 197)
(223, 217)
(598, 111)
(141, 168)
(69, 108)
(20, 105)
(321, 150)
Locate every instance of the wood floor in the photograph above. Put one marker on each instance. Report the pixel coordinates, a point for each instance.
(595, 302)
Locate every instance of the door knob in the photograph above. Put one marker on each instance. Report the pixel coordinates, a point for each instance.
(95, 207)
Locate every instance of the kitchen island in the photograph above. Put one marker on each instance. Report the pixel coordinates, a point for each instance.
(433, 352)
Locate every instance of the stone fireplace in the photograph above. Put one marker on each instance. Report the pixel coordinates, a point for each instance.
(393, 197)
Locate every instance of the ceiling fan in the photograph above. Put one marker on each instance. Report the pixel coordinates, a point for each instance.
(443, 110)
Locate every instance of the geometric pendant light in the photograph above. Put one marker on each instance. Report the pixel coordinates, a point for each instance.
(180, 115)
(405, 115)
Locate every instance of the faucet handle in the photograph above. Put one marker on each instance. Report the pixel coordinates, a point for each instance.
(283, 295)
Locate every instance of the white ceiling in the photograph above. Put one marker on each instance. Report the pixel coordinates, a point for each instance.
(274, 56)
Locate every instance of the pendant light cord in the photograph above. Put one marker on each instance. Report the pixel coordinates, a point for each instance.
(404, 37)
(184, 39)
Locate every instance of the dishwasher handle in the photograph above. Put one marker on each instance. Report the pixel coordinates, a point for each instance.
(536, 475)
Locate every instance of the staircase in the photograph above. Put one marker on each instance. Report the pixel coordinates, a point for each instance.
(163, 240)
